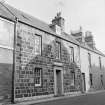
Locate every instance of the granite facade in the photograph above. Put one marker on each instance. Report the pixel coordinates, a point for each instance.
(27, 60)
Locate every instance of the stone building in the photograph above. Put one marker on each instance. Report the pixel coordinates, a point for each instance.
(39, 60)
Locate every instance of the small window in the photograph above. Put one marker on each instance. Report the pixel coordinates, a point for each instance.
(58, 49)
(71, 54)
(72, 78)
(38, 46)
(91, 79)
(100, 62)
(89, 58)
(37, 73)
(101, 79)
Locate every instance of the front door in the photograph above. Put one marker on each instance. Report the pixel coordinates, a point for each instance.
(83, 83)
(58, 83)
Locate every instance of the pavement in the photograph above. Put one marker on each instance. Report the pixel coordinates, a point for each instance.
(87, 99)
(61, 100)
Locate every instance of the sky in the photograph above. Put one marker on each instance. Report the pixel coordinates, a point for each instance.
(89, 14)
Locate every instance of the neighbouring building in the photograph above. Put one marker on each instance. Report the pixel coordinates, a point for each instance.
(39, 60)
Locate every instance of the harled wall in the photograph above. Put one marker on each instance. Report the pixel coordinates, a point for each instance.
(6, 59)
(95, 69)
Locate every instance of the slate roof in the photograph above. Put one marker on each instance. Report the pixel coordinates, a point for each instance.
(23, 17)
(10, 13)
(30, 20)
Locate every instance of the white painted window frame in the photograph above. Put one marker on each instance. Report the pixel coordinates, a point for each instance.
(37, 85)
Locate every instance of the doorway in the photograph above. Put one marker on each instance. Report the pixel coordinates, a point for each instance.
(83, 83)
(58, 81)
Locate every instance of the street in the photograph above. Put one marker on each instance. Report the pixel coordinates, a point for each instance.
(89, 99)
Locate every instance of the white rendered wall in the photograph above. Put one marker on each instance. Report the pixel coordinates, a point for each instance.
(85, 66)
(95, 68)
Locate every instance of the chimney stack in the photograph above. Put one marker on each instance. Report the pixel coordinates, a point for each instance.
(58, 23)
(89, 39)
(78, 35)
